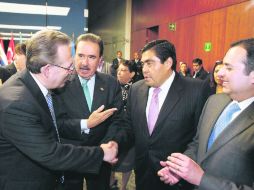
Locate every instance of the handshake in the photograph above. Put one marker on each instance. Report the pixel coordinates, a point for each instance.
(110, 152)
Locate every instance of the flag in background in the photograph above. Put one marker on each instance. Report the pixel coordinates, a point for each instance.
(72, 46)
(3, 60)
(20, 37)
(11, 51)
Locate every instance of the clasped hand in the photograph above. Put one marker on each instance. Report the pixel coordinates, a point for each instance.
(110, 152)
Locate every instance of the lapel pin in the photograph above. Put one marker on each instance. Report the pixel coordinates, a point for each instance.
(102, 89)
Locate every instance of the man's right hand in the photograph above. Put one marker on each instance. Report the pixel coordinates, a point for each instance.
(98, 116)
(110, 152)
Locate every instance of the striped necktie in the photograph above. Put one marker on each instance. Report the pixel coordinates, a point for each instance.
(52, 112)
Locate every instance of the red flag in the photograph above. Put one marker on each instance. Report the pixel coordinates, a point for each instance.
(11, 51)
(3, 60)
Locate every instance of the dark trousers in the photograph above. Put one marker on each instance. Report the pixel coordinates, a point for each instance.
(74, 181)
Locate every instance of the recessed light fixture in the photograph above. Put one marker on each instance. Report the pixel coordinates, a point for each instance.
(86, 13)
(33, 9)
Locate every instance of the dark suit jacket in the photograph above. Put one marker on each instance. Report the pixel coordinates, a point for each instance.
(228, 164)
(138, 70)
(4, 74)
(11, 68)
(29, 151)
(202, 74)
(174, 129)
(114, 67)
(72, 107)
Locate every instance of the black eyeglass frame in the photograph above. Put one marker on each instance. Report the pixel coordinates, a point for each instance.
(71, 68)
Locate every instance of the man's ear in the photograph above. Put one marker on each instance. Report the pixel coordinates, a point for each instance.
(45, 70)
(252, 77)
(132, 74)
(169, 63)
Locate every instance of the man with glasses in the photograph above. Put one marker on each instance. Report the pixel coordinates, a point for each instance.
(89, 109)
(31, 154)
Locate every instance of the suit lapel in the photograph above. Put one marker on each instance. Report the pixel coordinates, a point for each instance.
(210, 122)
(35, 90)
(240, 123)
(100, 91)
(143, 97)
(75, 93)
(170, 102)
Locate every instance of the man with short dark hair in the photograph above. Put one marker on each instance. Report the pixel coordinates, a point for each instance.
(31, 154)
(199, 71)
(221, 155)
(162, 114)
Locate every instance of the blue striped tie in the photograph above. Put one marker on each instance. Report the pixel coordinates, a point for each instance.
(223, 121)
(52, 112)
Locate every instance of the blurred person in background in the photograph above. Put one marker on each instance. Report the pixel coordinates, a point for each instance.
(184, 71)
(125, 74)
(199, 71)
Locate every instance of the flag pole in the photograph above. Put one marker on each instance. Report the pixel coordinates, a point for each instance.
(46, 14)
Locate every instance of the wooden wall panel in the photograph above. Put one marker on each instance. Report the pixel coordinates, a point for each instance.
(138, 40)
(198, 21)
(240, 23)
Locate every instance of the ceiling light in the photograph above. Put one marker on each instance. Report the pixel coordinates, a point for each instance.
(6, 26)
(17, 39)
(33, 9)
(15, 34)
(86, 13)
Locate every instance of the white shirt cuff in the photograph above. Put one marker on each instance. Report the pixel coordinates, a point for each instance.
(84, 128)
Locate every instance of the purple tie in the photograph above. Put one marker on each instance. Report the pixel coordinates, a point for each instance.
(153, 110)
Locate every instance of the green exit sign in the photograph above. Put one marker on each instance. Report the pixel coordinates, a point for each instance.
(172, 26)
(208, 46)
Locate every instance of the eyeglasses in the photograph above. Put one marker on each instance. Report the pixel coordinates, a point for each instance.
(70, 68)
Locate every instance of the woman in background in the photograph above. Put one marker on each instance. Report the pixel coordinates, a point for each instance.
(125, 74)
(184, 71)
(215, 81)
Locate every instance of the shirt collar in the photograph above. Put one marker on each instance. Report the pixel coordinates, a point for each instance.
(92, 79)
(245, 103)
(43, 89)
(167, 84)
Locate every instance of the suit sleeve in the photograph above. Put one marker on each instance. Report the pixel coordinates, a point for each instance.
(192, 148)
(27, 130)
(117, 117)
(125, 134)
(68, 127)
(210, 182)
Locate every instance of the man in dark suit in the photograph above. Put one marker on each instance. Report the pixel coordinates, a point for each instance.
(199, 71)
(89, 119)
(178, 106)
(31, 152)
(4, 75)
(116, 62)
(221, 155)
(138, 68)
